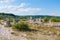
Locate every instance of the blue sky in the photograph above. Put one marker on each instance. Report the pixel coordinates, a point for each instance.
(31, 7)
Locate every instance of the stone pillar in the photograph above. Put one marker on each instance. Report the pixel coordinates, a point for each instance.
(15, 21)
(7, 24)
(30, 19)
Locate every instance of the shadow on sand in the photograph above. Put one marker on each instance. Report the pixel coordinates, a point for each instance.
(28, 30)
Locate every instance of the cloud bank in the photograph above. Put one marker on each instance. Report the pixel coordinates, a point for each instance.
(20, 9)
(6, 1)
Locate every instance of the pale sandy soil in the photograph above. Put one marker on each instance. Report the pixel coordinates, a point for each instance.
(34, 36)
(5, 34)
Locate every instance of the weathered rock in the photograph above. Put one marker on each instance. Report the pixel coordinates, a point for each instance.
(15, 21)
(7, 24)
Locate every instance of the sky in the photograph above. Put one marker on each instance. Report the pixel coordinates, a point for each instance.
(31, 7)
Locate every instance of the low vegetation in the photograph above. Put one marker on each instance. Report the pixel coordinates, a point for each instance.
(21, 26)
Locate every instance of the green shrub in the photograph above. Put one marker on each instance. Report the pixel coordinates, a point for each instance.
(11, 19)
(21, 26)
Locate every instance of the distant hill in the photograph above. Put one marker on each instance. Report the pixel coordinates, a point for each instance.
(38, 16)
(46, 18)
(7, 15)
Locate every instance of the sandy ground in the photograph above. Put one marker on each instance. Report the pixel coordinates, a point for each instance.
(5, 34)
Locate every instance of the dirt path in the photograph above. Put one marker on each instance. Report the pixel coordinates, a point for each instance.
(4, 33)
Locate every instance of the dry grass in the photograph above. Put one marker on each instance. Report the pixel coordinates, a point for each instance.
(42, 33)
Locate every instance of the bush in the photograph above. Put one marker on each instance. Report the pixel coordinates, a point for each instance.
(11, 19)
(21, 26)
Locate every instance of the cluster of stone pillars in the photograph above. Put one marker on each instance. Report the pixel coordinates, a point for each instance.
(8, 23)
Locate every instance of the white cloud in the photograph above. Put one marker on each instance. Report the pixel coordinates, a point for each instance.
(54, 14)
(19, 9)
(22, 4)
(6, 1)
